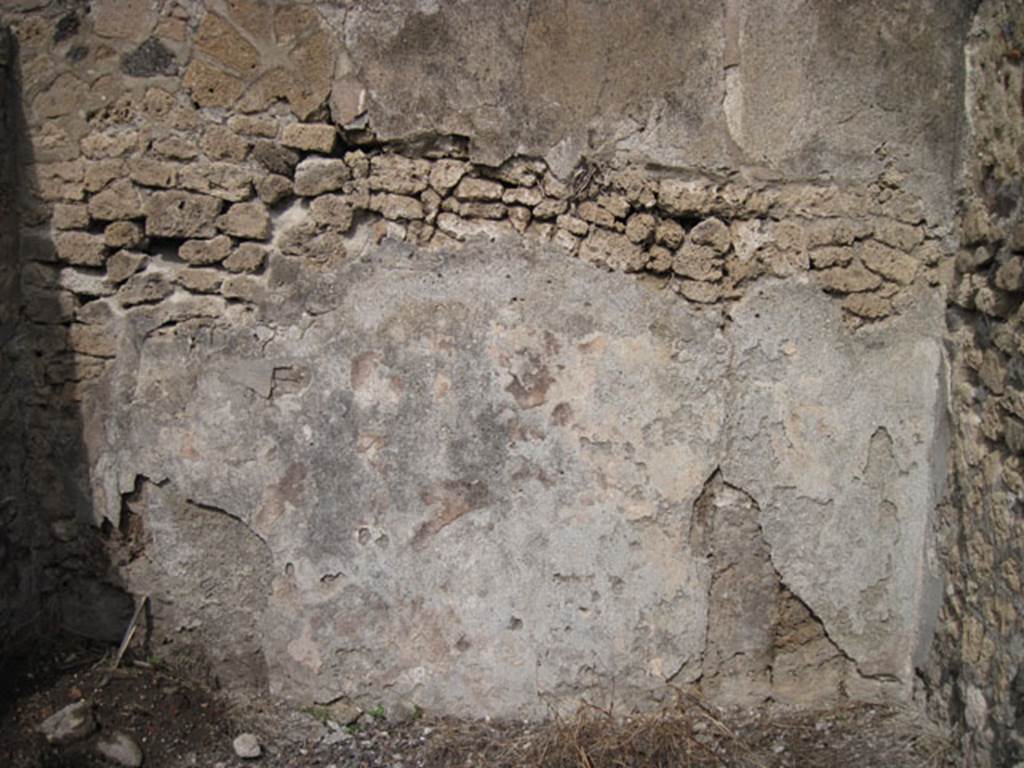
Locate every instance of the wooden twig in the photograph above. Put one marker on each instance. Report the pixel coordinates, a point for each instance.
(129, 633)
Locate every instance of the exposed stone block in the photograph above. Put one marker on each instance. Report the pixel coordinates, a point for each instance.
(612, 250)
(274, 157)
(310, 137)
(852, 279)
(211, 87)
(246, 220)
(144, 288)
(81, 248)
(401, 175)
(203, 252)
(272, 189)
(247, 257)
(124, 264)
(220, 143)
(181, 214)
(123, 234)
(316, 175)
(446, 173)
(70, 216)
(478, 189)
(120, 200)
(396, 206)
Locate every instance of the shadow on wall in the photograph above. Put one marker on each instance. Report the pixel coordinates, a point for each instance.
(55, 575)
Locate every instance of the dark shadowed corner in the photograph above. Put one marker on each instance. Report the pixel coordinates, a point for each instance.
(56, 581)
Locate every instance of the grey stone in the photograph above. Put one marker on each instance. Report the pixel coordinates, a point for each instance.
(120, 748)
(72, 723)
(150, 59)
(316, 175)
(181, 214)
(247, 746)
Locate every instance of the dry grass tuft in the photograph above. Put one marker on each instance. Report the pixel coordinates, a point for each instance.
(685, 734)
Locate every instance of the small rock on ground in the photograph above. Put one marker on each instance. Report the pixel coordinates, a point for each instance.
(72, 723)
(121, 749)
(247, 746)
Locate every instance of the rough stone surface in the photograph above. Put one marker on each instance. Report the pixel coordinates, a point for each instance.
(70, 724)
(247, 746)
(120, 749)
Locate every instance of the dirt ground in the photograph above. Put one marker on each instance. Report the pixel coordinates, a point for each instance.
(178, 723)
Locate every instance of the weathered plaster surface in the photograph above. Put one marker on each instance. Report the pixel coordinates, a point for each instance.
(474, 478)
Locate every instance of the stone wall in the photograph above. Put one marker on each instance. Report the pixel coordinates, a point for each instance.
(978, 674)
(489, 381)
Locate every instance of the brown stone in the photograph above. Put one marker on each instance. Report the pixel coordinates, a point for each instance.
(203, 252)
(612, 250)
(220, 143)
(640, 228)
(528, 196)
(712, 233)
(669, 233)
(70, 216)
(477, 189)
(116, 144)
(446, 173)
(120, 200)
(616, 205)
(348, 100)
(396, 206)
(152, 173)
(550, 208)
(310, 137)
(123, 234)
(898, 235)
(831, 256)
(273, 188)
(698, 291)
(852, 279)
(94, 340)
(274, 157)
(99, 173)
(697, 262)
(220, 41)
(242, 288)
(144, 288)
(124, 264)
(181, 214)
(247, 220)
(869, 306)
(247, 257)
(401, 175)
(332, 211)
(307, 83)
(229, 181)
(211, 87)
(122, 19)
(81, 249)
(316, 175)
(592, 212)
(254, 125)
(1009, 276)
(199, 280)
(573, 225)
(175, 148)
(888, 262)
(685, 198)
